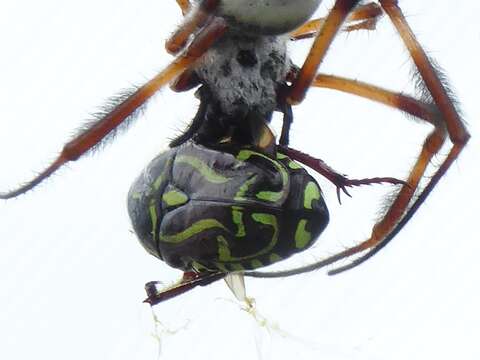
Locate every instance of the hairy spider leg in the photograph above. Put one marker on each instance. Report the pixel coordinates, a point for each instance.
(449, 123)
(321, 44)
(186, 81)
(202, 14)
(441, 114)
(364, 17)
(94, 134)
(184, 6)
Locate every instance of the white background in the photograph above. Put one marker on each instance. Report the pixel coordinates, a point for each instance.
(72, 273)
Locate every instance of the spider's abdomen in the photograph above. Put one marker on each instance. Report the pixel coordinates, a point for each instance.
(267, 17)
(230, 210)
(244, 73)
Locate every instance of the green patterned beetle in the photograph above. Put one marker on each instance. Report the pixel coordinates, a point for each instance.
(225, 210)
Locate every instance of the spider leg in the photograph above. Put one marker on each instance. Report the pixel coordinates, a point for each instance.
(285, 108)
(441, 113)
(449, 124)
(197, 121)
(341, 9)
(202, 14)
(364, 17)
(408, 104)
(184, 6)
(94, 134)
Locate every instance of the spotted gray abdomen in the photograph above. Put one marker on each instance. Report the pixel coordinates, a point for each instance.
(244, 73)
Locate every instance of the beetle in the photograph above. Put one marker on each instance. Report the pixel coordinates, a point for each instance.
(216, 26)
(210, 212)
(233, 209)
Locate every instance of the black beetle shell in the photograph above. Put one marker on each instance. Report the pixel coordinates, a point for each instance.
(232, 209)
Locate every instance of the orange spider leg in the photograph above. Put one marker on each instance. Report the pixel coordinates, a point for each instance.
(184, 6)
(399, 101)
(448, 123)
(200, 17)
(364, 17)
(100, 129)
(322, 42)
(398, 213)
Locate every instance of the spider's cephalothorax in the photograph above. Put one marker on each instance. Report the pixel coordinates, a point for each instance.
(244, 74)
(225, 209)
(241, 77)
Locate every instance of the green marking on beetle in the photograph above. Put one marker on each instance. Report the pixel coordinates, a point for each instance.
(237, 217)
(302, 236)
(206, 171)
(236, 267)
(198, 267)
(256, 263)
(240, 195)
(281, 156)
(220, 267)
(159, 180)
(152, 209)
(174, 198)
(137, 195)
(267, 219)
(274, 258)
(294, 165)
(271, 196)
(224, 253)
(194, 229)
(312, 192)
(245, 154)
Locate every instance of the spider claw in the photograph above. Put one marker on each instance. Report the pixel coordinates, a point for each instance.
(344, 190)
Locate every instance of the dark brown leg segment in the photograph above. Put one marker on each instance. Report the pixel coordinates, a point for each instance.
(189, 281)
(339, 180)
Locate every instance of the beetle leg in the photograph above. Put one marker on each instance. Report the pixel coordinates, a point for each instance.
(96, 132)
(364, 17)
(189, 281)
(339, 180)
(322, 42)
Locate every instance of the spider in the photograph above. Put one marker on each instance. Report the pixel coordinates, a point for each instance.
(212, 25)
